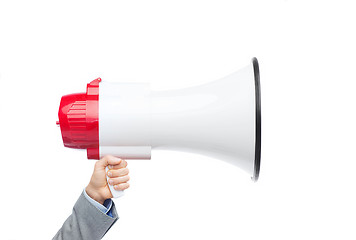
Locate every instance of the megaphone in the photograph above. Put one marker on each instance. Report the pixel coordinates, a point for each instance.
(220, 119)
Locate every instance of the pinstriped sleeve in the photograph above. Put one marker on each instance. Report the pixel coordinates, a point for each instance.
(86, 222)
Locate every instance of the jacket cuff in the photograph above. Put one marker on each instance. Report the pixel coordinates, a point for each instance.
(93, 220)
(106, 207)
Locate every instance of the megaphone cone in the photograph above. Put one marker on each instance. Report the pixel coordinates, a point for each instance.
(220, 119)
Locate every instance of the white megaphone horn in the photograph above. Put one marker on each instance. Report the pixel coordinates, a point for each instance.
(220, 119)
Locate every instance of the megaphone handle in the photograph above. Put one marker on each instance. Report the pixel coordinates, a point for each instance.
(115, 193)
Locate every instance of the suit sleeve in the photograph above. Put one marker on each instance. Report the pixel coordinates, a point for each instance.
(86, 222)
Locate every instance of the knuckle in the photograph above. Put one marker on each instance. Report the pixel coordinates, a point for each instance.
(105, 159)
(109, 158)
(97, 164)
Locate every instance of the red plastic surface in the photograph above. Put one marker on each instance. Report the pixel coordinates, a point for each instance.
(79, 120)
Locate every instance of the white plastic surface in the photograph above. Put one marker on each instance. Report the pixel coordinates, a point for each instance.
(115, 193)
(215, 119)
(126, 152)
(124, 120)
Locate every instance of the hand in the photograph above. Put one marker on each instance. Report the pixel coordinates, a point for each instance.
(98, 188)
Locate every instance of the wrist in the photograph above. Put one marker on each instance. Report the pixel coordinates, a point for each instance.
(92, 193)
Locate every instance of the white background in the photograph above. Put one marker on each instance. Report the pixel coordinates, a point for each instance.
(306, 51)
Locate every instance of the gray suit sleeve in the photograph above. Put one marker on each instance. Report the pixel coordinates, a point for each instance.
(86, 222)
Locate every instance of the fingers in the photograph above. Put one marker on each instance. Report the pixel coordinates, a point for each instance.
(113, 173)
(111, 160)
(118, 173)
(108, 160)
(118, 180)
(122, 186)
(122, 164)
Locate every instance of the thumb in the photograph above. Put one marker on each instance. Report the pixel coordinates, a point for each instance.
(108, 160)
